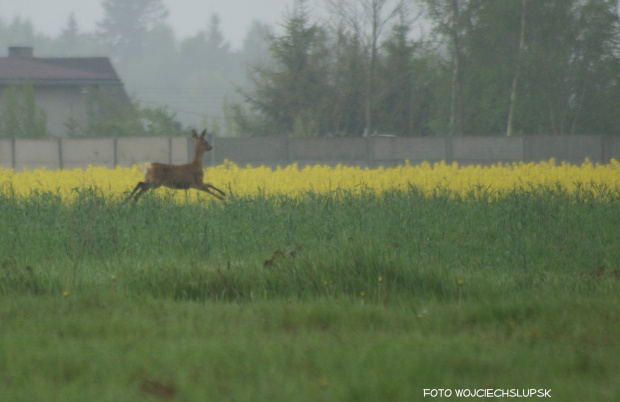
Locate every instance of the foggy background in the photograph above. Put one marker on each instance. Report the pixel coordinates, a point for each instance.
(196, 100)
(186, 17)
(343, 68)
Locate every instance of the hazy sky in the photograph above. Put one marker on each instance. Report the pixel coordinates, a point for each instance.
(185, 16)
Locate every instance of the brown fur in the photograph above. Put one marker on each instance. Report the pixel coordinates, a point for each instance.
(182, 177)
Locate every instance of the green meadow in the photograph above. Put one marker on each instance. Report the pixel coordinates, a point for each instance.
(341, 296)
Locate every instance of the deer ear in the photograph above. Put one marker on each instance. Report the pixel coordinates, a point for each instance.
(194, 134)
(204, 132)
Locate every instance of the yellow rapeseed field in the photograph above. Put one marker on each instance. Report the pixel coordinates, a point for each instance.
(490, 180)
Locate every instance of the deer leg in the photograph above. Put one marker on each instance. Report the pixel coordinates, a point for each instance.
(206, 187)
(135, 189)
(139, 190)
(144, 187)
(223, 194)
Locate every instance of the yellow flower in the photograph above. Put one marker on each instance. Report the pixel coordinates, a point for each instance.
(65, 293)
(488, 182)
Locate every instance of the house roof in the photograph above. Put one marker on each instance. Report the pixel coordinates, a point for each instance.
(58, 71)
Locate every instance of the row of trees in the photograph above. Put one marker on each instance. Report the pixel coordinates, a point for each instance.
(483, 68)
(405, 67)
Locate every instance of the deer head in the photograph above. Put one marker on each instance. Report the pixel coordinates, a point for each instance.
(200, 142)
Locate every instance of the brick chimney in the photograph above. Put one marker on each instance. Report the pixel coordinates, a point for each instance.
(25, 52)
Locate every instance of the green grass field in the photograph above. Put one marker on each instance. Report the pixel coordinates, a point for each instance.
(321, 297)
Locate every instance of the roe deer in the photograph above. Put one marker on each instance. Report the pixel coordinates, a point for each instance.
(183, 177)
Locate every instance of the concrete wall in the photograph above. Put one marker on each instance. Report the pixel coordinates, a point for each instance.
(137, 150)
(308, 151)
(269, 151)
(281, 151)
(573, 149)
(77, 153)
(611, 148)
(6, 154)
(32, 154)
(487, 150)
(179, 150)
(395, 151)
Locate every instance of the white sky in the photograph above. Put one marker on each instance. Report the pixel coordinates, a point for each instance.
(185, 16)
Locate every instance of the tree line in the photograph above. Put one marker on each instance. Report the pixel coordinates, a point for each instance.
(401, 67)
(513, 67)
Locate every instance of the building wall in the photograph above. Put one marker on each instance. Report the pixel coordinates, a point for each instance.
(62, 104)
(59, 103)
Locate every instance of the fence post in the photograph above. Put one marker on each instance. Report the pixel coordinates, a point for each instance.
(115, 147)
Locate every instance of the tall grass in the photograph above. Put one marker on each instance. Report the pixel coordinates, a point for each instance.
(325, 296)
(386, 246)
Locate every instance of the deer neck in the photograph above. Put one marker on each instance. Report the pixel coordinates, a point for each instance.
(198, 156)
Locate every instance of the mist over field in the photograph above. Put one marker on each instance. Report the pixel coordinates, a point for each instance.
(348, 68)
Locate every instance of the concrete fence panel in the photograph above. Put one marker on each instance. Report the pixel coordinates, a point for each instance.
(281, 151)
(487, 150)
(256, 151)
(332, 151)
(573, 149)
(179, 150)
(395, 151)
(6, 154)
(611, 149)
(35, 154)
(137, 150)
(79, 153)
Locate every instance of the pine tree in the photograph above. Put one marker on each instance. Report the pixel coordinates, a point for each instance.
(292, 95)
(127, 23)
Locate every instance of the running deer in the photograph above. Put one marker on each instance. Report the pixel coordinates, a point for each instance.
(182, 177)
